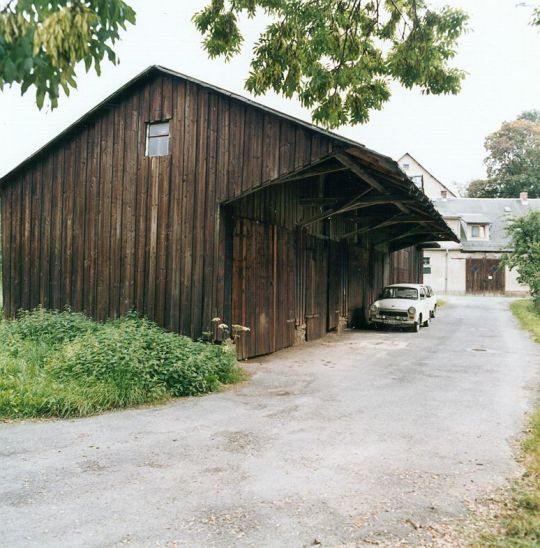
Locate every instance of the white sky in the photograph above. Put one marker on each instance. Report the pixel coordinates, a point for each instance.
(501, 53)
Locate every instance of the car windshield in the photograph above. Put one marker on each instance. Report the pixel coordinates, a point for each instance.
(400, 293)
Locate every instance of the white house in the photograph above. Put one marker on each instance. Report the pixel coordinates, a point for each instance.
(474, 265)
(432, 187)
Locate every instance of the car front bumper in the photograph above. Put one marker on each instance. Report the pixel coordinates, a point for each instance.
(392, 321)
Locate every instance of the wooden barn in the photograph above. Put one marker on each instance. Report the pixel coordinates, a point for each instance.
(188, 203)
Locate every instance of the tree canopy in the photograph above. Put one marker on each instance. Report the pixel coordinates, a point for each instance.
(513, 160)
(337, 56)
(41, 41)
(525, 257)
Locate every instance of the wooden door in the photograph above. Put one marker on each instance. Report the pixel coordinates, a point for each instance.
(484, 276)
(263, 287)
(316, 288)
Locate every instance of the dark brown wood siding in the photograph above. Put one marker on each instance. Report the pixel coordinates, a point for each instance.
(96, 225)
(208, 231)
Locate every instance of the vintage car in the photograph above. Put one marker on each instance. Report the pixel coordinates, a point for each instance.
(402, 305)
(432, 300)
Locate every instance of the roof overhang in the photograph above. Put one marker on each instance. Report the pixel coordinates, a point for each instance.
(384, 203)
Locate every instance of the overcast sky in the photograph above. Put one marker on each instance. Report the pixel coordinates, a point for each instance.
(501, 54)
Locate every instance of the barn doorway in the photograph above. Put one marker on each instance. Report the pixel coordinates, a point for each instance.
(263, 286)
(484, 276)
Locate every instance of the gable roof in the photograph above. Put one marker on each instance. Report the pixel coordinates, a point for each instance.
(385, 164)
(494, 211)
(452, 192)
(153, 70)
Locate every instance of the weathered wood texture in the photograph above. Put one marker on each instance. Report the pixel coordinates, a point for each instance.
(484, 276)
(95, 224)
(207, 231)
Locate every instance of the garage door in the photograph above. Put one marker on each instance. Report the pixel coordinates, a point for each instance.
(484, 276)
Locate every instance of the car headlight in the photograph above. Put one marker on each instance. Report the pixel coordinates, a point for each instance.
(412, 311)
(373, 308)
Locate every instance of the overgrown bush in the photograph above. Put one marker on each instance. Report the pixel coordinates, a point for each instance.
(64, 364)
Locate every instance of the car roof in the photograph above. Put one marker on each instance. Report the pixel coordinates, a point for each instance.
(406, 285)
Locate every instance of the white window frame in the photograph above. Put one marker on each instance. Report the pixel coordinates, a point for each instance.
(149, 125)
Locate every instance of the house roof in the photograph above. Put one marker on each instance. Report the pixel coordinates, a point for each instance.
(452, 192)
(494, 211)
(384, 164)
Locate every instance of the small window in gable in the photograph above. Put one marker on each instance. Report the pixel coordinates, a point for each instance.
(406, 167)
(157, 139)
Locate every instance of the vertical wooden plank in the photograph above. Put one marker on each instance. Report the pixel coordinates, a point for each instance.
(270, 149)
(5, 204)
(68, 197)
(210, 215)
(26, 227)
(15, 247)
(117, 199)
(176, 193)
(223, 150)
(236, 147)
(199, 212)
(143, 167)
(104, 218)
(189, 169)
(80, 184)
(162, 237)
(91, 220)
(35, 246)
(55, 272)
(129, 200)
(45, 233)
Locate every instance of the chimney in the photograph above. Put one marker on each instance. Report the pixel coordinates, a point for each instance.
(444, 194)
(524, 197)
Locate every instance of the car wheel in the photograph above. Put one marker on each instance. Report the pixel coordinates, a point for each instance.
(434, 312)
(426, 323)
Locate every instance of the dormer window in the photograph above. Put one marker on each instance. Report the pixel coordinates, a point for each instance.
(157, 139)
(479, 232)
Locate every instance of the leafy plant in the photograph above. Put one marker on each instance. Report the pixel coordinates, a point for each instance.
(339, 56)
(41, 42)
(525, 255)
(64, 364)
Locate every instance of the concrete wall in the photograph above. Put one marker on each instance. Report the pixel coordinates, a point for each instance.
(447, 271)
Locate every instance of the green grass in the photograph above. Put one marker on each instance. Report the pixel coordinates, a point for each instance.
(529, 317)
(63, 364)
(520, 523)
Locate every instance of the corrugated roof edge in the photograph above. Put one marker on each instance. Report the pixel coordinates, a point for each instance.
(163, 70)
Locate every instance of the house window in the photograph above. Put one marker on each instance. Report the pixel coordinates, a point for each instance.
(157, 139)
(478, 232)
(418, 180)
(427, 265)
(406, 167)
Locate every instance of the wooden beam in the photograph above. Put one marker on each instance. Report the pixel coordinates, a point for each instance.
(338, 209)
(320, 201)
(360, 172)
(369, 228)
(313, 172)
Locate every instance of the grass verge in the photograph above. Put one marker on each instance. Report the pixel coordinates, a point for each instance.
(520, 523)
(63, 364)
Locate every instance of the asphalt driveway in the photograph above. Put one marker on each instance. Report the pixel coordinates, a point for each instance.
(364, 438)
